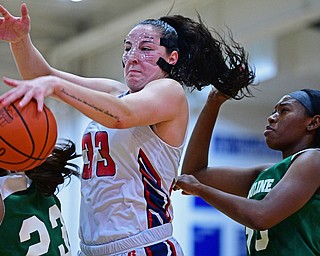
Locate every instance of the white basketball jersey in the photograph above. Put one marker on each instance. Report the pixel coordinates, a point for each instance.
(127, 179)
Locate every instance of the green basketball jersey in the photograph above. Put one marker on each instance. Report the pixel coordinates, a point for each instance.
(32, 223)
(298, 235)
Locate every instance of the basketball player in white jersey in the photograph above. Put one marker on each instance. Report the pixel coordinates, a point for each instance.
(132, 147)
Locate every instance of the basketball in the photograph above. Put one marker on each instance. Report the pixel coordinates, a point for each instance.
(27, 137)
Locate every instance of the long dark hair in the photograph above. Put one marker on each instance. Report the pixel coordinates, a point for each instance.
(205, 57)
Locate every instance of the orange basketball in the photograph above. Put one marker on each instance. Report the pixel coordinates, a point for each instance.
(27, 137)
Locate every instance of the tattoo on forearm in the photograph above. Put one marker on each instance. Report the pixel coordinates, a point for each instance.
(91, 105)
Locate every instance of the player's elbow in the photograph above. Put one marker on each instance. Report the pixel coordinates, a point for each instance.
(123, 122)
(120, 124)
(260, 221)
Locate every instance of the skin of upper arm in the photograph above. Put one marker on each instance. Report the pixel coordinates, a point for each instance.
(293, 191)
(163, 105)
(98, 84)
(159, 101)
(231, 179)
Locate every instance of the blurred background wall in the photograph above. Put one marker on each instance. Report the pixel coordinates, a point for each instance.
(86, 38)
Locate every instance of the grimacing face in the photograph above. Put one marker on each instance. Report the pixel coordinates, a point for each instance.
(142, 50)
(142, 47)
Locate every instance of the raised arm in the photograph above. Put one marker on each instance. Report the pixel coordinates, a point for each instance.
(31, 63)
(230, 179)
(15, 31)
(196, 157)
(226, 188)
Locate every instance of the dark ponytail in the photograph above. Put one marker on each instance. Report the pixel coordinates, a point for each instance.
(205, 59)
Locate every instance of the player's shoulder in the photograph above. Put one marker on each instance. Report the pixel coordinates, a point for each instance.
(168, 88)
(165, 82)
(309, 153)
(307, 159)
